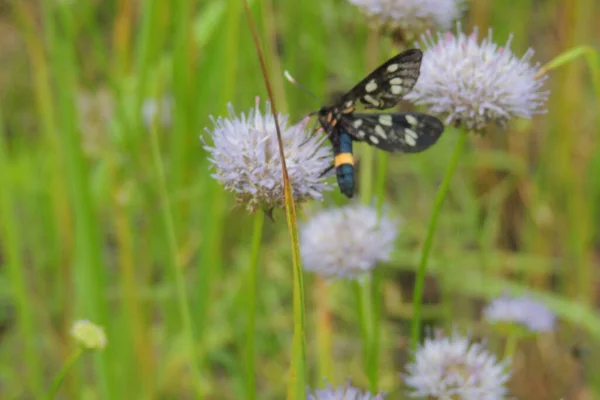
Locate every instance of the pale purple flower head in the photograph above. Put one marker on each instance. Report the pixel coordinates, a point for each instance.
(346, 242)
(455, 368)
(474, 84)
(346, 392)
(245, 156)
(523, 311)
(412, 17)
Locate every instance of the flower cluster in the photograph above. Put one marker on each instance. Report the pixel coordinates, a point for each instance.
(473, 84)
(245, 155)
(523, 311)
(346, 392)
(455, 368)
(411, 17)
(89, 335)
(346, 242)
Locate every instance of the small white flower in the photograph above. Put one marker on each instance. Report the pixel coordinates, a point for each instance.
(412, 17)
(346, 392)
(346, 242)
(454, 368)
(152, 107)
(523, 311)
(88, 335)
(473, 83)
(245, 155)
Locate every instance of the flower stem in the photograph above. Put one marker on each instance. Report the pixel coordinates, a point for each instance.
(439, 201)
(510, 346)
(257, 230)
(324, 330)
(174, 260)
(63, 372)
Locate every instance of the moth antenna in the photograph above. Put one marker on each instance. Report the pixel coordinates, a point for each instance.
(293, 81)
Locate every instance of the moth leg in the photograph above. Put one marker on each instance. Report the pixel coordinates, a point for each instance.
(327, 170)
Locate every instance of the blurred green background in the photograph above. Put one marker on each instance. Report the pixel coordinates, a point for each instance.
(85, 234)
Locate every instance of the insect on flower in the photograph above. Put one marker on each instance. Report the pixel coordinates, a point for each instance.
(406, 132)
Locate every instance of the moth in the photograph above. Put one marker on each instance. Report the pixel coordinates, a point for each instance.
(406, 132)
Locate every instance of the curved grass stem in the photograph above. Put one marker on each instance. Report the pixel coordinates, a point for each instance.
(58, 379)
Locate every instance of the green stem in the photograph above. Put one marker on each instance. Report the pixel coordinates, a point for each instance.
(63, 372)
(380, 180)
(363, 296)
(324, 330)
(175, 263)
(366, 175)
(11, 247)
(510, 346)
(257, 231)
(439, 201)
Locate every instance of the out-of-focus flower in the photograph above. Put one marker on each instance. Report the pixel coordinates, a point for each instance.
(89, 335)
(474, 84)
(95, 112)
(454, 368)
(346, 392)
(346, 242)
(245, 156)
(410, 18)
(522, 311)
(161, 109)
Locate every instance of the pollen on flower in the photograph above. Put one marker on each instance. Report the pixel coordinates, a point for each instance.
(245, 157)
(346, 392)
(411, 17)
(474, 84)
(523, 311)
(455, 368)
(346, 242)
(89, 335)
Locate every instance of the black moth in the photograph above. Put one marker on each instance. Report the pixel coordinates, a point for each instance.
(408, 132)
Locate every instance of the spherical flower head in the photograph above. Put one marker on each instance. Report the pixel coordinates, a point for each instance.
(245, 156)
(473, 84)
(346, 392)
(89, 335)
(523, 311)
(346, 242)
(411, 17)
(454, 368)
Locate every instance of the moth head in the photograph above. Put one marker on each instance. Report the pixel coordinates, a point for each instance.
(328, 117)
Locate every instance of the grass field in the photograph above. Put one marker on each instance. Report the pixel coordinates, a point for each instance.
(109, 210)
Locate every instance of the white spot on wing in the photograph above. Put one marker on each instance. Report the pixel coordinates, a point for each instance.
(380, 131)
(410, 140)
(411, 120)
(395, 89)
(357, 123)
(411, 133)
(349, 103)
(361, 134)
(392, 67)
(371, 86)
(373, 139)
(385, 119)
(396, 81)
(370, 99)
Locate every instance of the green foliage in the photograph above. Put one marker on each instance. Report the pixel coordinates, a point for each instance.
(106, 217)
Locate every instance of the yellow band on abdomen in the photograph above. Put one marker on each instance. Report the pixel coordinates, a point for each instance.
(343, 158)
